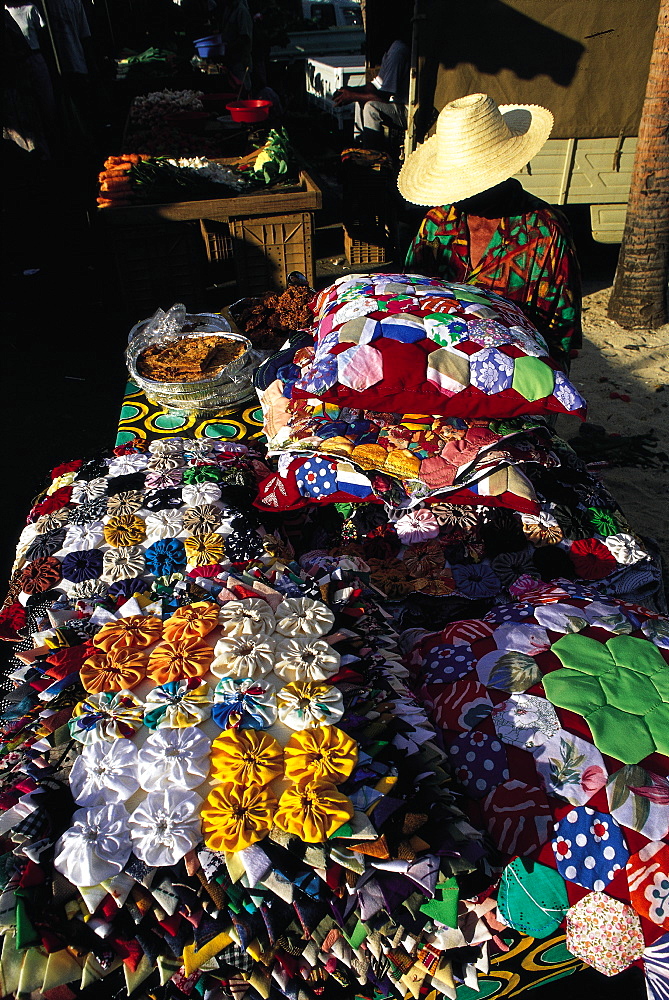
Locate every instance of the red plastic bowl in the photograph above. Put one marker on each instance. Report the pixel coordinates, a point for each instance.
(249, 111)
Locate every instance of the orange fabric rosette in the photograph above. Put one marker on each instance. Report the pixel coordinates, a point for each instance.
(324, 753)
(173, 661)
(124, 529)
(113, 671)
(202, 550)
(235, 817)
(246, 756)
(192, 621)
(313, 811)
(135, 632)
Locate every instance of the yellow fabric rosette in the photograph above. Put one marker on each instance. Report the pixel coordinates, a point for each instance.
(203, 550)
(192, 621)
(234, 817)
(246, 756)
(313, 811)
(135, 632)
(325, 753)
(173, 661)
(117, 670)
(124, 529)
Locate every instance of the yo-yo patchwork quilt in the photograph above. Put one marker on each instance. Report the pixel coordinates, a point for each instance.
(350, 715)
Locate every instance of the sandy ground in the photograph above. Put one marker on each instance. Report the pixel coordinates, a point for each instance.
(624, 375)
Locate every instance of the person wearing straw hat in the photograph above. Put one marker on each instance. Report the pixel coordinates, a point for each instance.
(486, 229)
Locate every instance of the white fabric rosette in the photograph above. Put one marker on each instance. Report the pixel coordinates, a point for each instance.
(197, 494)
(88, 588)
(164, 463)
(198, 450)
(83, 536)
(166, 826)
(624, 549)
(306, 705)
(305, 660)
(104, 772)
(123, 563)
(167, 446)
(125, 465)
(164, 523)
(300, 617)
(250, 616)
(416, 526)
(174, 758)
(84, 492)
(49, 522)
(96, 847)
(243, 656)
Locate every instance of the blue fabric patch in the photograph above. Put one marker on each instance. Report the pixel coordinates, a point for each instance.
(589, 848)
(479, 762)
(316, 478)
(448, 663)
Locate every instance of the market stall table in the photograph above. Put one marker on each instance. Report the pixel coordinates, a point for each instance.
(442, 713)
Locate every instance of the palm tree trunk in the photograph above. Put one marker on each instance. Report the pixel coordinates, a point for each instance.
(639, 296)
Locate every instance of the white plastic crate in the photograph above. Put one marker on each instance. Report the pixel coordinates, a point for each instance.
(327, 74)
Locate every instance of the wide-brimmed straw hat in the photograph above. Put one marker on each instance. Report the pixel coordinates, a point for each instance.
(476, 145)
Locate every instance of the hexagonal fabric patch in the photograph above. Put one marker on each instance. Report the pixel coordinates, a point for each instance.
(445, 330)
(648, 880)
(403, 327)
(448, 663)
(361, 330)
(518, 817)
(459, 706)
(479, 762)
(533, 378)
(491, 371)
(448, 369)
(589, 848)
(532, 898)
(639, 800)
(605, 933)
(360, 367)
(572, 768)
(525, 721)
(621, 688)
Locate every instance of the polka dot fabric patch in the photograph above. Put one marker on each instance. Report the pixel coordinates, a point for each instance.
(589, 848)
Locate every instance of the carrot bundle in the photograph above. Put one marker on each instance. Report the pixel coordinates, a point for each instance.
(114, 179)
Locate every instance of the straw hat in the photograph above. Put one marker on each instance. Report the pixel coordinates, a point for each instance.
(476, 145)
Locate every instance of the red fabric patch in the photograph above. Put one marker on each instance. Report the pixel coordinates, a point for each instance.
(58, 499)
(518, 817)
(459, 706)
(591, 558)
(64, 662)
(12, 618)
(62, 470)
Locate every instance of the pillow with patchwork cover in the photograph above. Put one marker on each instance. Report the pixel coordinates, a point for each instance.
(411, 344)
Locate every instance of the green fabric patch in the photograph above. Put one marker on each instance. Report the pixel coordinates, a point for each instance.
(444, 907)
(532, 378)
(621, 688)
(532, 898)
